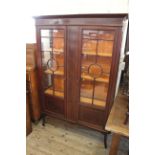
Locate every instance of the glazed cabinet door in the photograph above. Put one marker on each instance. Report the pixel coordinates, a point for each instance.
(53, 66)
(97, 49)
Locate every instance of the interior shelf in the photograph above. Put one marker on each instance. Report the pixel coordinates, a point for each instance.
(96, 102)
(98, 54)
(58, 72)
(86, 100)
(87, 77)
(49, 91)
(55, 51)
(99, 103)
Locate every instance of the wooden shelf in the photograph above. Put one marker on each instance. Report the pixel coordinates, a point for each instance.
(55, 51)
(96, 39)
(48, 71)
(99, 103)
(96, 102)
(98, 54)
(86, 100)
(49, 91)
(87, 77)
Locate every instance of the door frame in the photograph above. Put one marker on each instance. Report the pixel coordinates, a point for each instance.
(40, 70)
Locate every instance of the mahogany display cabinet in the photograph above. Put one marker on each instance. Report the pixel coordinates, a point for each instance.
(77, 59)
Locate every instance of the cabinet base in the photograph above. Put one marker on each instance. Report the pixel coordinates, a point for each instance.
(95, 127)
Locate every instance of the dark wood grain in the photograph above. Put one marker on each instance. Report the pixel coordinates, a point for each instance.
(32, 81)
(72, 67)
(91, 115)
(54, 104)
(83, 16)
(28, 117)
(113, 72)
(98, 19)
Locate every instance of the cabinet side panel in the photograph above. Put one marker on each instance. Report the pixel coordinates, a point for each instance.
(114, 72)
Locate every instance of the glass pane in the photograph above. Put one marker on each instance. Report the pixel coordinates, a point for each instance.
(53, 61)
(100, 94)
(60, 63)
(87, 60)
(58, 83)
(89, 46)
(46, 33)
(106, 35)
(47, 81)
(96, 58)
(45, 44)
(45, 57)
(86, 91)
(58, 44)
(59, 58)
(58, 33)
(53, 65)
(103, 78)
(101, 90)
(105, 63)
(90, 34)
(105, 48)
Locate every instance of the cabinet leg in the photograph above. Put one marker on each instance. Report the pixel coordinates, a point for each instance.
(35, 122)
(43, 119)
(105, 140)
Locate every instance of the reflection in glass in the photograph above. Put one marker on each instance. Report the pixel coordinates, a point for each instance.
(96, 57)
(106, 35)
(45, 33)
(100, 92)
(45, 44)
(86, 88)
(90, 34)
(94, 34)
(105, 47)
(89, 46)
(59, 83)
(58, 44)
(58, 33)
(105, 63)
(45, 57)
(47, 81)
(52, 45)
(86, 91)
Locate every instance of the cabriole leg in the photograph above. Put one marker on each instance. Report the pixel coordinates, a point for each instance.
(43, 119)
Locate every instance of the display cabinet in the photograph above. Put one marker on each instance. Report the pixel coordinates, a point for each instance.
(78, 57)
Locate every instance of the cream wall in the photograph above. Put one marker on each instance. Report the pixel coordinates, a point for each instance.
(55, 7)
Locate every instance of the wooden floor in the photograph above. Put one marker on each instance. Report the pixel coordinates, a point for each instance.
(62, 138)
